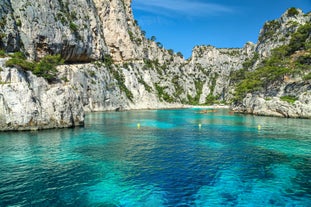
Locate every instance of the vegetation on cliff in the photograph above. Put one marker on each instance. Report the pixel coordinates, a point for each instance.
(45, 68)
(285, 62)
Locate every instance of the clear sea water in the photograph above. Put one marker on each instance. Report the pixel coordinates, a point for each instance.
(160, 158)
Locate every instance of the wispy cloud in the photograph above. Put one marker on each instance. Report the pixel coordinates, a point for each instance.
(184, 7)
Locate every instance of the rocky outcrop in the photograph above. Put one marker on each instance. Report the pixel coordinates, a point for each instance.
(270, 98)
(257, 105)
(278, 32)
(30, 103)
(215, 66)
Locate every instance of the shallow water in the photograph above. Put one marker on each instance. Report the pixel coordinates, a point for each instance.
(160, 158)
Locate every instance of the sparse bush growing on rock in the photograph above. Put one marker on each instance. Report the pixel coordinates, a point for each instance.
(73, 27)
(159, 44)
(238, 75)
(171, 51)
(196, 99)
(108, 61)
(180, 54)
(18, 59)
(2, 54)
(18, 23)
(292, 12)
(118, 75)
(307, 77)
(45, 68)
(147, 87)
(299, 39)
(289, 99)
(269, 29)
(162, 94)
(284, 61)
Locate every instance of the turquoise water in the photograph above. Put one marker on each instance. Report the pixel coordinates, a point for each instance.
(160, 158)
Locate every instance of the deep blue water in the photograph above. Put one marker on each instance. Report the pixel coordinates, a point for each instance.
(160, 158)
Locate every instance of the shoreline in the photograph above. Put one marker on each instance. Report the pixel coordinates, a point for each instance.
(168, 107)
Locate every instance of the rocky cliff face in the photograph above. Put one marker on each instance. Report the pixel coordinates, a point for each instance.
(111, 65)
(29, 103)
(278, 32)
(258, 105)
(53, 27)
(289, 94)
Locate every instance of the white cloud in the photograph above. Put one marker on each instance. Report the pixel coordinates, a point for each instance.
(184, 7)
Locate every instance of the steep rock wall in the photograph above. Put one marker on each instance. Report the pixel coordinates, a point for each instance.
(30, 103)
(71, 28)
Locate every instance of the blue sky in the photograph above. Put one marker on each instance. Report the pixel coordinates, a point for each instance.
(182, 24)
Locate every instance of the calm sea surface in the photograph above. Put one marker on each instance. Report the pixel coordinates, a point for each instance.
(160, 158)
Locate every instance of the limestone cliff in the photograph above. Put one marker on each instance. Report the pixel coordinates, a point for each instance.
(29, 103)
(109, 65)
(280, 76)
(71, 28)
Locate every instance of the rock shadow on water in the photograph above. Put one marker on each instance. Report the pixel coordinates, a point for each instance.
(289, 147)
(232, 189)
(114, 192)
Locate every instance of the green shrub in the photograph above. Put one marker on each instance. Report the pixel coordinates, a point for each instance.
(159, 44)
(289, 99)
(307, 77)
(246, 86)
(92, 73)
(250, 62)
(162, 94)
(3, 22)
(18, 23)
(304, 59)
(180, 54)
(269, 29)
(196, 99)
(73, 27)
(108, 61)
(299, 39)
(131, 34)
(121, 82)
(259, 80)
(2, 54)
(46, 68)
(210, 99)
(2, 35)
(238, 75)
(18, 55)
(147, 87)
(17, 62)
(292, 12)
(170, 51)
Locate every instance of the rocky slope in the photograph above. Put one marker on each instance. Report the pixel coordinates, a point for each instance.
(284, 54)
(109, 65)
